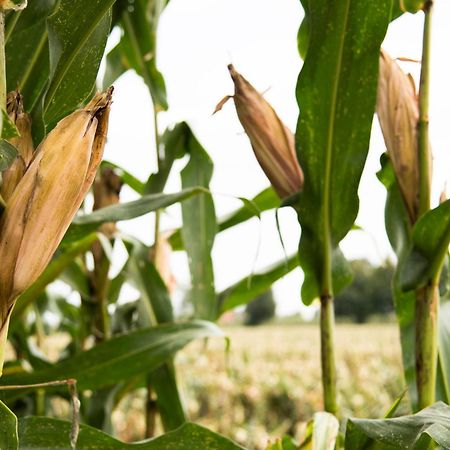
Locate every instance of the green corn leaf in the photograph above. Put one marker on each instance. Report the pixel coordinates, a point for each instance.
(430, 245)
(137, 48)
(417, 432)
(250, 287)
(84, 224)
(49, 434)
(127, 178)
(157, 307)
(264, 201)
(8, 429)
(77, 34)
(174, 142)
(8, 153)
(119, 358)
(199, 230)
(336, 94)
(27, 55)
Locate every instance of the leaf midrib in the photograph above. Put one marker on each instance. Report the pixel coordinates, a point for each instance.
(327, 284)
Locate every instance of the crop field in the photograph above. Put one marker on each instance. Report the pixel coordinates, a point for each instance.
(269, 383)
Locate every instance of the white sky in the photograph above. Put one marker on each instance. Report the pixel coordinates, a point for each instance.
(197, 39)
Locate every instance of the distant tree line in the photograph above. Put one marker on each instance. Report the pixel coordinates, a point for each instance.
(369, 293)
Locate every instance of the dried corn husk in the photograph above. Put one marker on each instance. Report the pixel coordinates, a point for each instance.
(23, 143)
(398, 113)
(48, 196)
(106, 193)
(273, 143)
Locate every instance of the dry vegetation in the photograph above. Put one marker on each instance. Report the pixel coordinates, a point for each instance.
(269, 382)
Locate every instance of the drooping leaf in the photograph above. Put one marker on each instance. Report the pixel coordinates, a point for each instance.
(8, 153)
(264, 201)
(430, 245)
(199, 230)
(77, 34)
(50, 434)
(336, 94)
(85, 224)
(8, 428)
(250, 287)
(120, 358)
(417, 432)
(137, 48)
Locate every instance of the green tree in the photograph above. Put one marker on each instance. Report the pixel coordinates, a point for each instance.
(261, 309)
(370, 292)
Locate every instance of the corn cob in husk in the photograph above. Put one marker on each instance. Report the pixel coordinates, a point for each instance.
(47, 197)
(398, 114)
(272, 142)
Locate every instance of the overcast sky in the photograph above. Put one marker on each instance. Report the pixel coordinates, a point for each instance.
(196, 41)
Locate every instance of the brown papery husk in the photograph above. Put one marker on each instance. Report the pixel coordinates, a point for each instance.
(272, 142)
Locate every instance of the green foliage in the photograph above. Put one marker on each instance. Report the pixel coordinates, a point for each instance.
(416, 432)
(47, 434)
(8, 154)
(199, 230)
(336, 95)
(254, 285)
(370, 292)
(430, 242)
(8, 428)
(120, 358)
(261, 309)
(77, 34)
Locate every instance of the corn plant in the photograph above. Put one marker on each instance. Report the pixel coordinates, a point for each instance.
(55, 113)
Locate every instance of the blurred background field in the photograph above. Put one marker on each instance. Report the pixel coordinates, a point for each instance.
(269, 383)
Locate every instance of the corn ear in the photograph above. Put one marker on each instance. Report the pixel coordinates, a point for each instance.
(23, 143)
(48, 196)
(398, 114)
(273, 143)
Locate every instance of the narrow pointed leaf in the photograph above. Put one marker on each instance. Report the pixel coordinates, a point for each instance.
(85, 224)
(336, 94)
(199, 230)
(119, 358)
(264, 201)
(247, 289)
